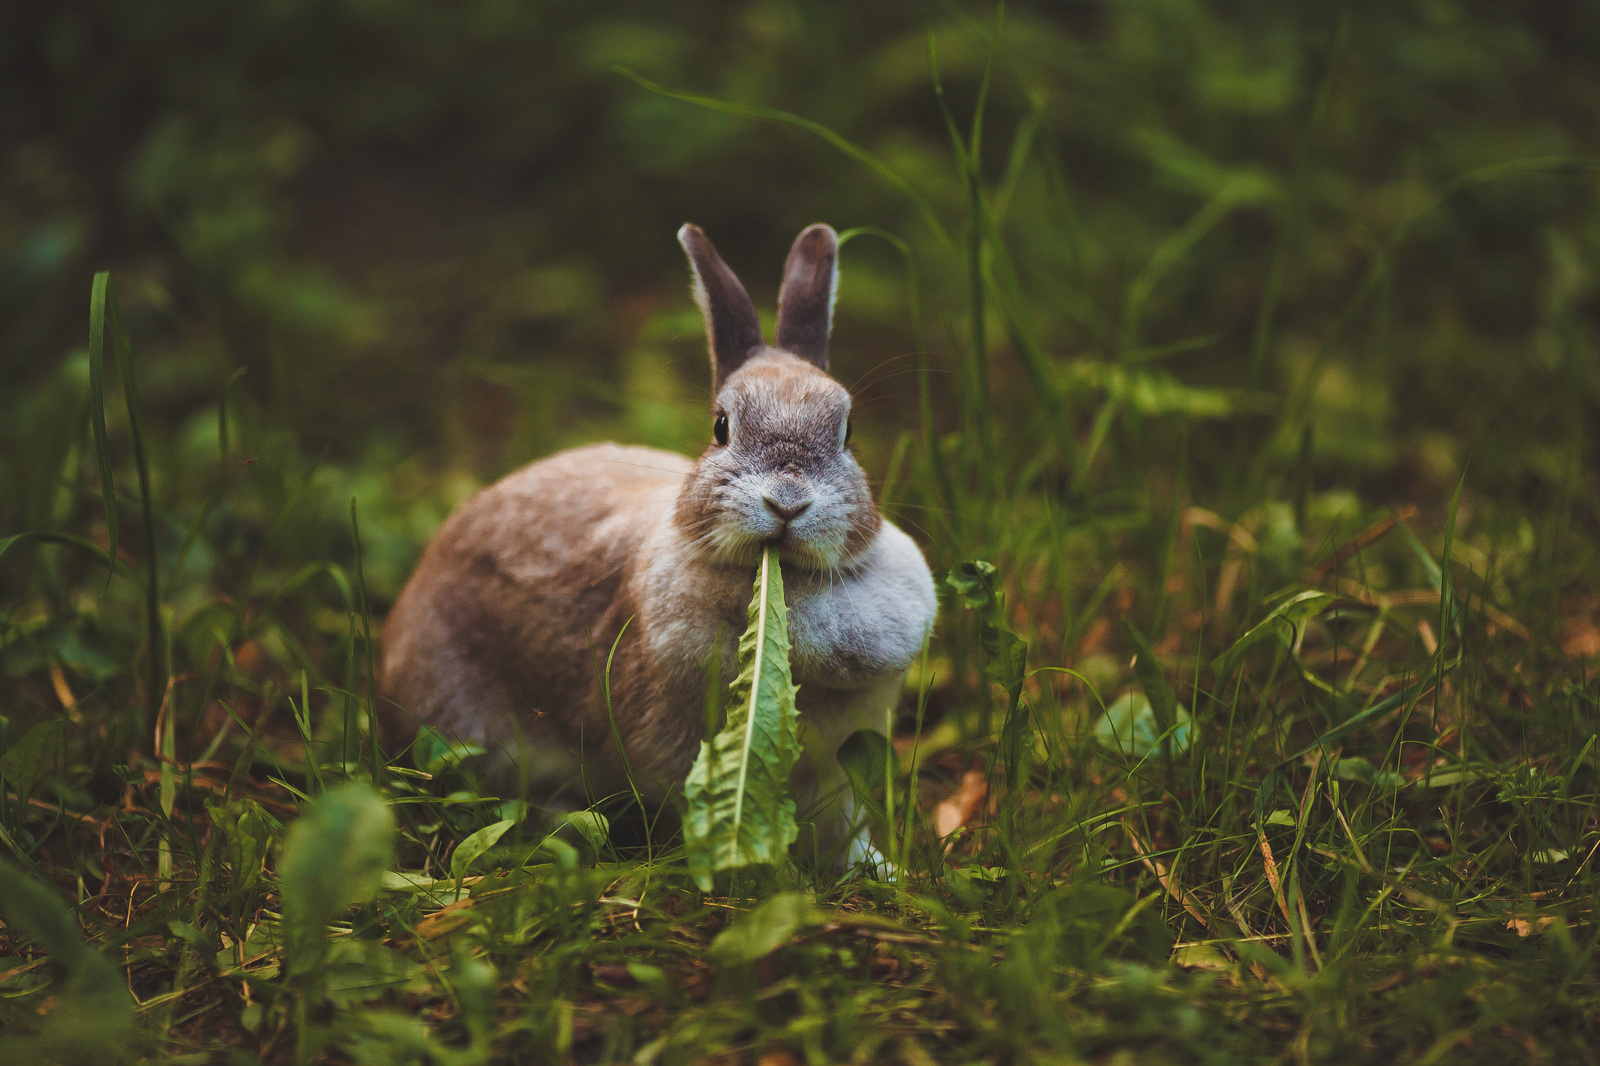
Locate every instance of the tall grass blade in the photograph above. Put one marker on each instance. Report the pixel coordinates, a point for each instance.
(193, 533)
(772, 114)
(1292, 204)
(366, 639)
(105, 316)
(97, 405)
(944, 515)
(976, 408)
(1163, 702)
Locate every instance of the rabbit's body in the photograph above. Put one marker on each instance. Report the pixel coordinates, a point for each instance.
(505, 633)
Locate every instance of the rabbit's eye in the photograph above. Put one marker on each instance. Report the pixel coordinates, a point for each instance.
(719, 429)
(848, 429)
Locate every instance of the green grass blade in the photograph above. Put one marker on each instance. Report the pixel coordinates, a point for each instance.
(1291, 206)
(113, 565)
(942, 516)
(97, 404)
(366, 639)
(1241, 192)
(772, 114)
(105, 316)
(193, 533)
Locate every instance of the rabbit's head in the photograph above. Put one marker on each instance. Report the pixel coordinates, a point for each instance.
(779, 468)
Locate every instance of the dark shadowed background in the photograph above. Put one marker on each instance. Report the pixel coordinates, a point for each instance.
(440, 237)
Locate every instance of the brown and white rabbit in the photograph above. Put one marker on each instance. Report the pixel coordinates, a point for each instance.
(503, 633)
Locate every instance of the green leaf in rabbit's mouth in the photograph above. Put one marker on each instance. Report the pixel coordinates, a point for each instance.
(740, 812)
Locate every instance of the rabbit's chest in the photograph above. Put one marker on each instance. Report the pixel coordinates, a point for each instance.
(845, 630)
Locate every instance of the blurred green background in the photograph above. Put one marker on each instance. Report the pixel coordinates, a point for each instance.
(439, 239)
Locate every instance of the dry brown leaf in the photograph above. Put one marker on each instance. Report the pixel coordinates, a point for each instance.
(777, 1057)
(957, 809)
(1580, 639)
(58, 679)
(446, 920)
(1525, 927)
(1425, 631)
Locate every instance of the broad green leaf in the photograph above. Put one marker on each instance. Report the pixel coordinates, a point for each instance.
(384, 1038)
(31, 758)
(1082, 924)
(740, 812)
(592, 826)
(247, 830)
(1163, 704)
(468, 851)
(433, 753)
(93, 1019)
(1129, 727)
(1360, 770)
(1016, 745)
(361, 970)
(335, 856)
(866, 756)
(1157, 393)
(767, 928)
(868, 760)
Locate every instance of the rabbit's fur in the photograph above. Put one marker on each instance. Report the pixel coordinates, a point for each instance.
(503, 634)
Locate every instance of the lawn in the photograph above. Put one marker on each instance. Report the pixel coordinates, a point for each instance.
(1235, 372)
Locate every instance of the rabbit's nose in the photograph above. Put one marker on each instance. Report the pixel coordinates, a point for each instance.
(787, 513)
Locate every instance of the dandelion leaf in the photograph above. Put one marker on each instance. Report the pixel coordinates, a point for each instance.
(740, 812)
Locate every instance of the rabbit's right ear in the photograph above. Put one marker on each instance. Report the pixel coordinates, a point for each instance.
(732, 328)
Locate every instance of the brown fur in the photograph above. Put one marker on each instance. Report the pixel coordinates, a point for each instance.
(645, 559)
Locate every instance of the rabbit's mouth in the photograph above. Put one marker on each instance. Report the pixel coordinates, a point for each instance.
(797, 549)
(821, 550)
(807, 550)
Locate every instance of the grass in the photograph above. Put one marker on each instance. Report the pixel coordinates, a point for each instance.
(1359, 824)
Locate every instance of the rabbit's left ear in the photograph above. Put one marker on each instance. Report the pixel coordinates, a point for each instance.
(805, 301)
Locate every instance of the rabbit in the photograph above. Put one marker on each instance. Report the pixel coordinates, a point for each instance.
(587, 599)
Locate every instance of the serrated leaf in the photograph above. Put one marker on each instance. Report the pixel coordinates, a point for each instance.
(1005, 654)
(740, 812)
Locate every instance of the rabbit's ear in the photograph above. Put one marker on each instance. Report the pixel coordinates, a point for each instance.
(805, 302)
(732, 328)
